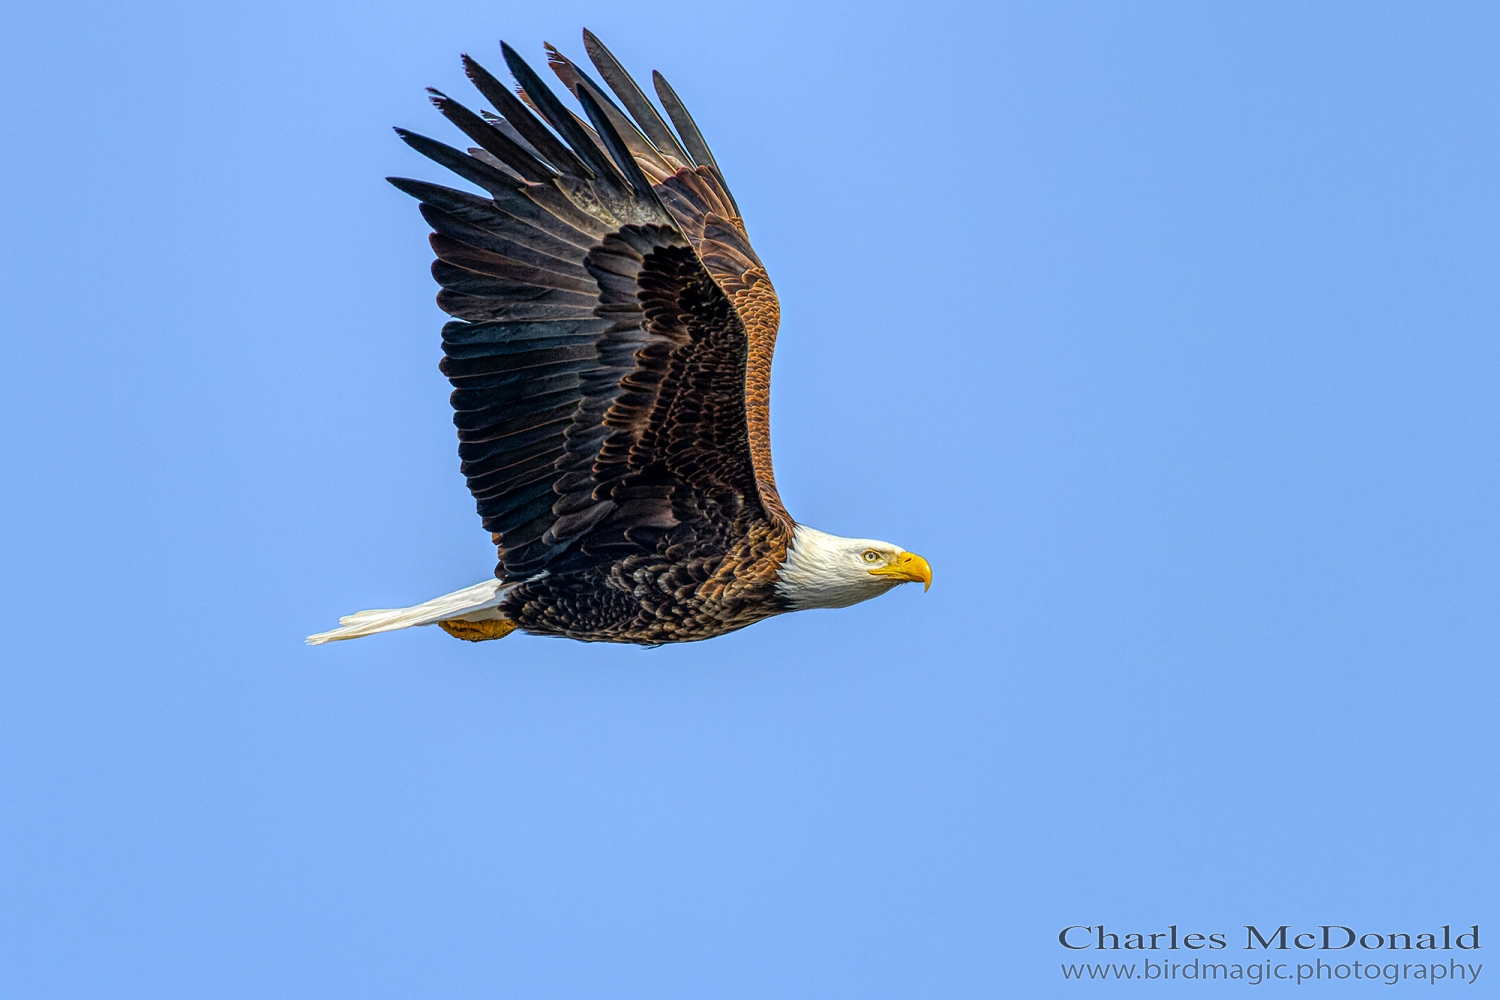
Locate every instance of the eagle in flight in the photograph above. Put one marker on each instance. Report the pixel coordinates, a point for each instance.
(610, 354)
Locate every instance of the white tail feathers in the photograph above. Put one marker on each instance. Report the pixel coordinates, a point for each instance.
(477, 603)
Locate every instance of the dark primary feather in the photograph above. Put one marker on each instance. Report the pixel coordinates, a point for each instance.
(688, 129)
(634, 100)
(510, 132)
(466, 166)
(512, 110)
(561, 119)
(578, 83)
(492, 140)
(605, 129)
(598, 368)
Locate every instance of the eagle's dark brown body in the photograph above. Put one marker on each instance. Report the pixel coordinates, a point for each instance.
(682, 592)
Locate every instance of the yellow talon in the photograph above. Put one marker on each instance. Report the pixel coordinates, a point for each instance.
(493, 628)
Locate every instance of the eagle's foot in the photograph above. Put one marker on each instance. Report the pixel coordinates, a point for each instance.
(493, 628)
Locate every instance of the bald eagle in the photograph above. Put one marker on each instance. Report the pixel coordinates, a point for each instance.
(610, 355)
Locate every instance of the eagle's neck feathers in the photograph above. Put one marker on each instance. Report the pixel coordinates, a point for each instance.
(827, 571)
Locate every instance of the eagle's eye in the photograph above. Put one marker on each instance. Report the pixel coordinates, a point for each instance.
(871, 556)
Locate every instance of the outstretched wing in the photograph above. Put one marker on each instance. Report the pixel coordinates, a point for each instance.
(611, 344)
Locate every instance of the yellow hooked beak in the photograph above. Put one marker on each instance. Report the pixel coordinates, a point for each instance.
(908, 568)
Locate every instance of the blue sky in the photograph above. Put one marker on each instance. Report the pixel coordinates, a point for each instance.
(1166, 332)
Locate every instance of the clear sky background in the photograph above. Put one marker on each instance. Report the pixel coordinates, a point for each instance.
(1168, 333)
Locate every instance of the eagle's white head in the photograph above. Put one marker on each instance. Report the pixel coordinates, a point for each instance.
(827, 571)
